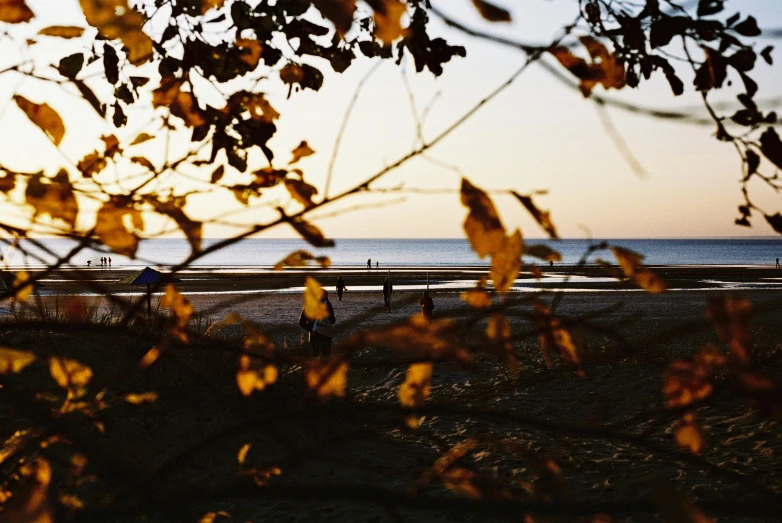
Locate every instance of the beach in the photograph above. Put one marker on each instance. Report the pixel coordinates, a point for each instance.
(606, 430)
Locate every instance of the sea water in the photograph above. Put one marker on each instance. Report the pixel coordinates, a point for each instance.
(396, 252)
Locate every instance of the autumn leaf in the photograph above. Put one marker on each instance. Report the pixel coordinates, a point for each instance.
(630, 263)
(731, 317)
(141, 138)
(139, 398)
(311, 233)
(388, 20)
(13, 361)
(254, 374)
(116, 19)
(149, 358)
(116, 224)
(206, 5)
(167, 92)
(15, 11)
(686, 382)
(250, 51)
(314, 308)
(491, 12)
(555, 337)
(338, 12)
(181, 311)
(260, 108)
(689, 433)
(417, 385)
(483, 226)
(543, 252)
(44, 117)
(144, 162)
(241, 456)
(62, 31)
(173, 209)
(23, 291)
(54, 197)
(300, 258)
(327, 378)
(301, 191)
(462, 481)
(92, 164)
(301, 151)
(498, 331)
(506, 262)
(269, 176)
(604, 69)
(291, 74)
(542, 217)
(69, 373)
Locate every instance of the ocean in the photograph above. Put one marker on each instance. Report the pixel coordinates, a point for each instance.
(401, 252)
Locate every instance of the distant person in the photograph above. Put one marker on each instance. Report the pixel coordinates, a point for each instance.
(427, 306)
(369, 263)
(320, 331)
(387, 290)
(777, 263)
(377, 265)
(109, 261)
(341, 288)
(89, 263)
(551, 263)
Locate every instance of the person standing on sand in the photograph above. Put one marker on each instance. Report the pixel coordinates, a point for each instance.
(369, 263)
(320, 330)
(89, 263)
(387, 290)
(109, 261)
(427, 306)
(340, 287)
(777, 263)
(377, 265)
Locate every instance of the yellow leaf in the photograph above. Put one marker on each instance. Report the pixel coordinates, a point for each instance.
(144, 162)
(92, 164)
(173, 208)
(731, 317)
(301, 191)
(630, 262)
(301, 151)
(314, 303)
(23, 291)
(301, 258)
(542, 217)
(62, 31)
(116, 223)
(15, 11)
(116, 19)
(52, 196)
(168, 91)
(206, 5)
(506, 262)
(181, 309)
(491, 12)
(254, 374)
(338, 12)
(291, 74)
(141, 138)
(483, 226)
(211, 517)
(311, 233)
(388, 20)
(415, 389)
(13, 361)
(144, 397)
(44, 117)
(689, 434)
(462, 481)
(327, 379)
(242, 454)
(69, 373)
(260, 108)
(477, 298)
(543, 252)
(149, 358)
(71, 501)
(554, 336)
(605, 69)
(250, 51)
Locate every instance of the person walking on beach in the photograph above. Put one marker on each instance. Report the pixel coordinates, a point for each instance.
(340, 287)
(377, 265)
(89, 263)
(427, 306)
(320, 331)
(387, 290)
(109, 261)
(369, 263)
(777, 263)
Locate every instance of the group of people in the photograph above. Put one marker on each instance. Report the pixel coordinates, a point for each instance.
(105, 261)
(369, 264)
(321, 330)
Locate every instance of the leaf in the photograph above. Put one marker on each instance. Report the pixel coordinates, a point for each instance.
(543, 252)
(300, 258)
(15, 11)
(311, 233)
(771, 146)
(604, 69)
(338, 12)
(388, 20)
(415, 389)
(555, 337)
(477, 298)
(291, 74)
(301, 191)
(269, 177)
(689, 433)
(254, 374)
(462, 481)
(775, 221)
(44, 117)
(92, 164)
(542, 217)
(498, 330)
(116, 223)
(688, 381)
(217, 174)
(483, 226)
(250, 51)
(62, 31)
(314, 307)
(116, 19)
(181, 311)
(149, 358)
(141, 138)
(241, 456)
(7, 182)
(70, 66)
(506, 262)
(732, 317)
(139, 398)
(207, 5)
(491, 12)
(23, 291)
(173, 209)
(748, 27)
(709, 7)
(766, 54)
(13, 361)
(55, 197)
(327, 379)
(630, 262)
(144, 162)
(301, 151)
(69, 373)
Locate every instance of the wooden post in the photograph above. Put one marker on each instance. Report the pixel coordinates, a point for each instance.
(389, 290)
(427, 280)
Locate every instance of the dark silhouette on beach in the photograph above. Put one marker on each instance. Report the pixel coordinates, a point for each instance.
(427, 306)
(377, 265)
(777, 263)
(109, 261)
(387, 290)
(320, 331)
(89, 263)
(340, 287)
(369, 263)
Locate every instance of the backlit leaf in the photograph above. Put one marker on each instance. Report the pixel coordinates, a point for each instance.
(689, 433)
(116, 19)
(415, 389)
(314, 307)
(173, 209)
(181, 311)
(388, 20)
(141, 138)
(143, 397)
(301, 258)
(338, 12)
(15, 11)
(44, 117)
(506, 262)
(92, 164)
(311, 233)
(542, 217)
(604, 69)
(491, 12)
(13, 361)
(291, 74)
(250, 51)
(555, 336)
(116, 224)
(62, 31)
(241, 456)
(54, 197)
(483, 226)
(771, 146)
(301, 151)
(630, 263)
(254, 374)
(144, 162)
(69, 373)
(217, 174)
(327, 378)
(206, 5)
(731, 317)
(301, 191)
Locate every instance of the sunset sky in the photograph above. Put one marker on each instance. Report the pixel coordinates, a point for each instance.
(537, 135)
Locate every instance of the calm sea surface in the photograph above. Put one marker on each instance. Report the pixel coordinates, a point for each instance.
(408, 252)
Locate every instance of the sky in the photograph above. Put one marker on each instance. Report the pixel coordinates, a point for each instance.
(536, 135)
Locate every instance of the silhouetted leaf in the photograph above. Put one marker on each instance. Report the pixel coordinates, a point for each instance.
(141, 138)
(217, 174)
(292, 74)
(491, 12)
(506, 262)
(710, 7)
(15, 11)
(23, 291)
(555, 337)
(62, 31)
(53, 197)
(70, 66)
(314, 307)
(542, 217)
(311, 233)
(250, 51)
(139, 398)
(115, 225)
(775, 221)
(301, 151)
(753, 161)
(144, 162)
(748, 27)
(44, 117)
(13, 361)
(181, 311)
(766, 54)
(301, 191)
(173, 209)
(771, 146)
(300, 258)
